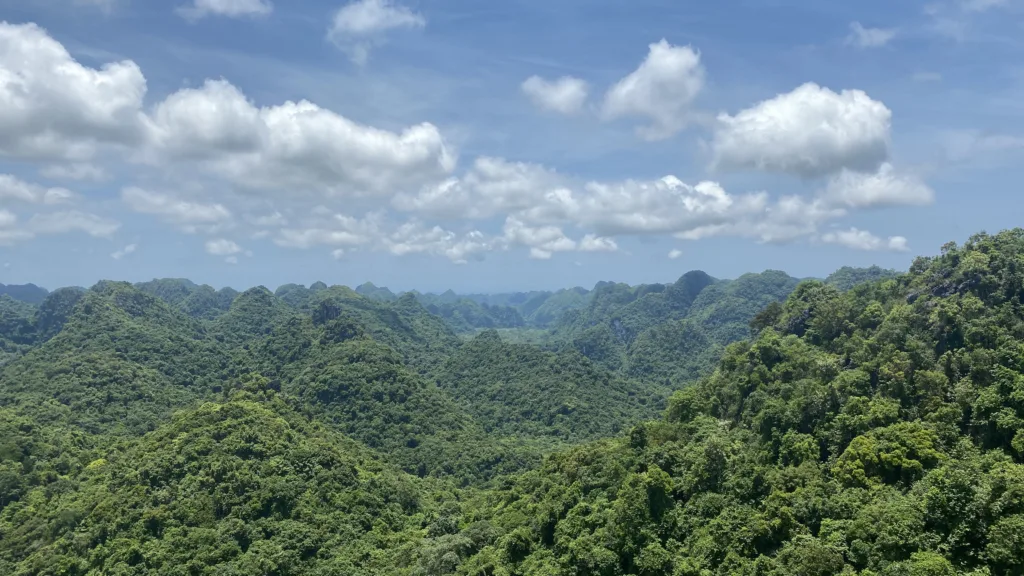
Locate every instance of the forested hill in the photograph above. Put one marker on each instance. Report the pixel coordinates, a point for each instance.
(877, 431)
(29, 293)
(815, 427)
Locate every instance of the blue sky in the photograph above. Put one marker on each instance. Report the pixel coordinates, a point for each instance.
(526, 144)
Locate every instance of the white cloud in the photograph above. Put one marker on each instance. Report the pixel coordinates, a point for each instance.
(72, 221)
(189, 215)
(869, 37)
(358, 26)
(54, 223)
(811, 131)
(542, 241)
(594, 243)
(53, 108)
(883, 188)
(230, 8)
(565, 95)
(11, 188)
(365, 17)
(675, 254)
(123, 252)
(864, 240)
(416, 238)
(307, 237)
(197, 123)
(662, 90)
(338, 253)
(333, 230)
(274, 220)
(74, 171)
(298, 147)
(491, 186)
(231, 259)
(784, 220)
(222, 247)
(667, 205)
(537, 195)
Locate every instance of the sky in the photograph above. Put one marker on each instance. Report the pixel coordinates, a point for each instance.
(492, 147)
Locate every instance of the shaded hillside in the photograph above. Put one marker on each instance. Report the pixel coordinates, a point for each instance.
(520, 390)
(197, 301)
(669, 334)
(28, 293)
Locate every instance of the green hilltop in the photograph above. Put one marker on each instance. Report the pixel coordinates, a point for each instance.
(870, 424)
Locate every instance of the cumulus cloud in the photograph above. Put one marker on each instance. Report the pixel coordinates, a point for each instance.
(358, 26)
(9, 232)
(298, 154)
(54, 108)
(296, 146)
(331, 230)
(229, 8)
(881, 189)
(74, 171)
(54, 223)
(675, 254)
(73, 221)
(662, 90)
(667, 205)
(869, 37)
(535, 194)
(268, 220)
(811, 131)
(783, 220)
(594, 243)
(491, 186)
(864, 240)
(12, 188)
(414, 237)
(129, 249)
(542, 241)
(565, 95)
(191, 216)
(222, 247)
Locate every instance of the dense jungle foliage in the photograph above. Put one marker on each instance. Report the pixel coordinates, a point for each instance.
(868, 424)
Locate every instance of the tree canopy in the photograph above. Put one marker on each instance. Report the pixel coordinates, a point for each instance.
(869, 424)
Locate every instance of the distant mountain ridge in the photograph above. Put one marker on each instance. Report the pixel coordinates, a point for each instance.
(29, 293)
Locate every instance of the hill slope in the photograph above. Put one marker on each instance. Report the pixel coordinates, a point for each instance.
(877, 431)
(243, 487)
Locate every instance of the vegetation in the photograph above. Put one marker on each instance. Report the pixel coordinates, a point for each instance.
(877, 431)
(846, 277)
(812, 428)
(28, 293)
(519, 389)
